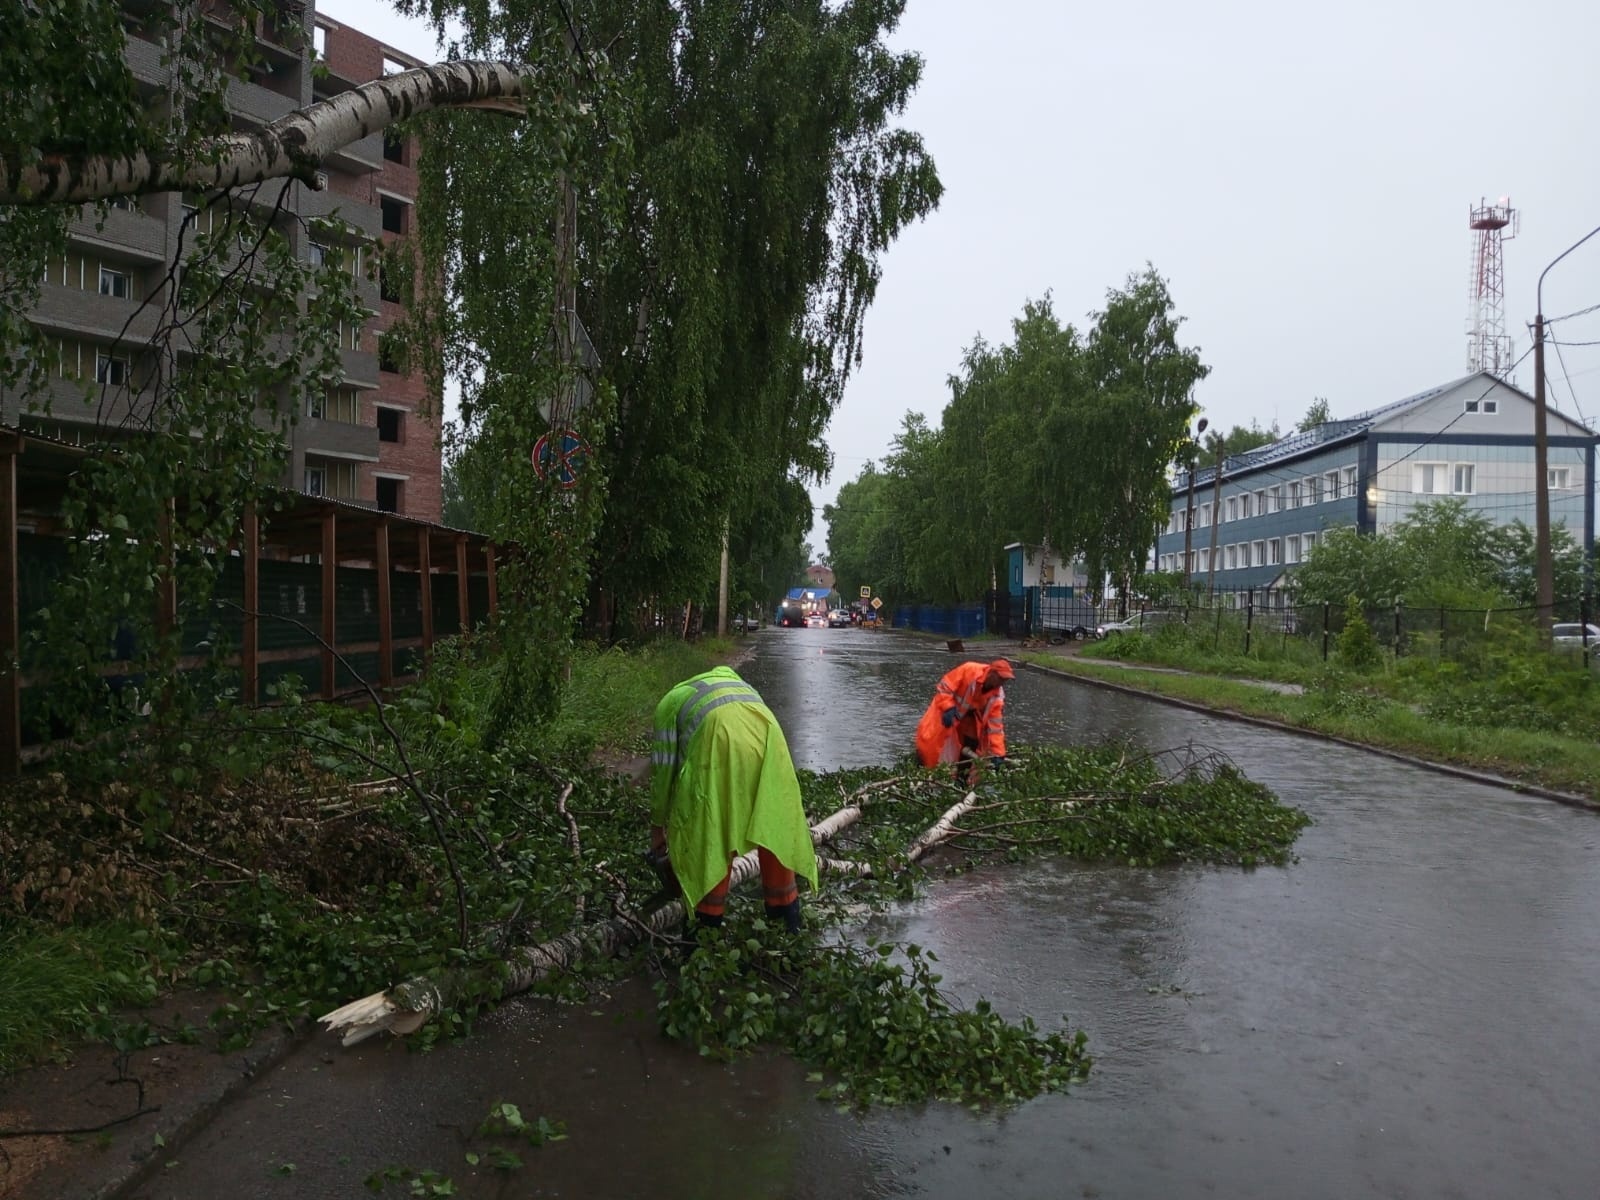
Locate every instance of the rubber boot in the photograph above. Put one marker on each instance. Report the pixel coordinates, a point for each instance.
(786, 914)
(708, 920)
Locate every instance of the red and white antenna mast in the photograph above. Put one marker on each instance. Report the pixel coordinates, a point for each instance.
(1488, 344)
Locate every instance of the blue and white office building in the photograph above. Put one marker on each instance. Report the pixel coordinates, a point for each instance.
(1471, 439)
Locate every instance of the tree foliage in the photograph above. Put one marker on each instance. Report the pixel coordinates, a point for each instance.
(1444, 554)
(740, 177)
(1057, 437)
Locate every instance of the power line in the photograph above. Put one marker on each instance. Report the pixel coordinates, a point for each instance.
(1582, 312)
(1571, 391)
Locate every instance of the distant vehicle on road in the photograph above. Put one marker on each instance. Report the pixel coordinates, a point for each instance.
(1144, 622)
(792, 616)
(838, 619)
(746, 624)
(1569, 636)
(816, 620)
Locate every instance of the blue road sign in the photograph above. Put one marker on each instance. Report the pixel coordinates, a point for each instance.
(563, 455)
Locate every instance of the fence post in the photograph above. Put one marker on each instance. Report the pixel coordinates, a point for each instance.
(1397, 608)
(1216, 640)
(1325, 607)
(1443, 633)
(1249, 618)
(1583, 625)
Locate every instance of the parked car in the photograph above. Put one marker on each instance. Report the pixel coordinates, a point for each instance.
(1569, 636)
(1144, 622)
(1071, 633)
(816, 620)
(746, 624)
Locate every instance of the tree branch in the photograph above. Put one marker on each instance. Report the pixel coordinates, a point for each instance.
(294, 145)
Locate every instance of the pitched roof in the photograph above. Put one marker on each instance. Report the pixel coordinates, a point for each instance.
(1333, 432)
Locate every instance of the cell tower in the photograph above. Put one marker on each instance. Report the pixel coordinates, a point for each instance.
(1488, 344)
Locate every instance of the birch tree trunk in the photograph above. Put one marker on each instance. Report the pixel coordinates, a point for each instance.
(294, 145)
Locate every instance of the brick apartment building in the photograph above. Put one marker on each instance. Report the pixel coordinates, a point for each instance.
(366, 441)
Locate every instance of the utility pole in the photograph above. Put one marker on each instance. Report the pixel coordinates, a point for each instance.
(1544, 568)
(1188, 513)
(1216, 520)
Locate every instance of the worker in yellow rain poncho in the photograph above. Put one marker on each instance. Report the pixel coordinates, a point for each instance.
(721, 784)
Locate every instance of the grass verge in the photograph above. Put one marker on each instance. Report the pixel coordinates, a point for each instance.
(1338, 708)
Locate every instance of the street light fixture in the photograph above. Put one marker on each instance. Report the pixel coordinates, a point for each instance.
(1544, 568)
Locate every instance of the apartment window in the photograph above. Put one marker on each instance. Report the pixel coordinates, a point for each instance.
(389, 494)
(1233, 508)
(1232, 554)
(1274, 551)
(110, 370)
(1461, 481)
(1307, 541)
(1348, 476)
(316, 481)
(344, 406)
(316, 407)
(1559, 478)
(389, 358)
(391, 423)
(1430, 478)
(317, 253)
(1275, 498)
(1330, 488)
(1294, 494)
(1309, 490)
(1483, 404)
(1291, 548)
(394, 214)
(388, 289)
(125, 203)
(1258, 554)
(1244, 507)
(349, 336)
(1204, 513)
(1261, 503)
(114, 283)
(319, 42)
(1205, 559)
(324, 477)
(394, 147)
(200, 218)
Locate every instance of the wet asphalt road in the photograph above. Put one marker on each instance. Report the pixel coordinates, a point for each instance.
(1409, 1011)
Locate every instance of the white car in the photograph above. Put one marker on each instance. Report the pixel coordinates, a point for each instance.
(1571, 635)
(1143, 622)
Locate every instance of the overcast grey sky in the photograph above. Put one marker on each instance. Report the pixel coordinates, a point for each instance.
(1300, 174)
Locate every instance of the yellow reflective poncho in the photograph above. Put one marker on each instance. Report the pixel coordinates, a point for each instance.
(722, 782)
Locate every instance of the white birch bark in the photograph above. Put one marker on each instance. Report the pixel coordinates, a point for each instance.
(294, 145)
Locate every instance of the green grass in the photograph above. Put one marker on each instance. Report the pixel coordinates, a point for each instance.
(1340, 708)
(57, 982)
(612, 694)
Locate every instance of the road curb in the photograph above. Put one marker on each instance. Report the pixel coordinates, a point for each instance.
(1528, 789)
(188, 1114)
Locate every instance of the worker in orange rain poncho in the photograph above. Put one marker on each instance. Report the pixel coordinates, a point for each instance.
(964, 722)
(721, 784)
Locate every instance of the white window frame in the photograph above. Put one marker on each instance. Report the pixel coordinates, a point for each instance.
(1233, 508)
(1430, 472)
(109, 278)
(1307, 540)
(1558, 479)
(1205, 559)
(1291, 548)
(1245, 506)
(1349, 477)
(319, 41)
(1258, 553)
(1274, 552)
(1232, 558)
(1293, 499)
(1471, 471)
(1275, 498)
(316, 481)
(1261, 502)
(110, 370)
(1330, 489)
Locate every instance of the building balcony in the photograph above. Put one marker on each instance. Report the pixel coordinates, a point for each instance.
(144, 61)
(360, 216)
(336, 439)
(104, 318)
(133, 235)
(360, 157)
(360, 367)
(256, 103)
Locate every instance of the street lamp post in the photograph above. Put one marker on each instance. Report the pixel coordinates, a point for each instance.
(1544, 568)
(1188, 515)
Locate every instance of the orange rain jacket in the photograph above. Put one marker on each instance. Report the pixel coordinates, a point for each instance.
(978, 717)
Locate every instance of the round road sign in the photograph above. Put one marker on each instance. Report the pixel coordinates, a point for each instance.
(563, 455)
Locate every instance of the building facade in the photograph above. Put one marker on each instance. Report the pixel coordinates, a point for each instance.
(364, 441)
(1471, 439)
